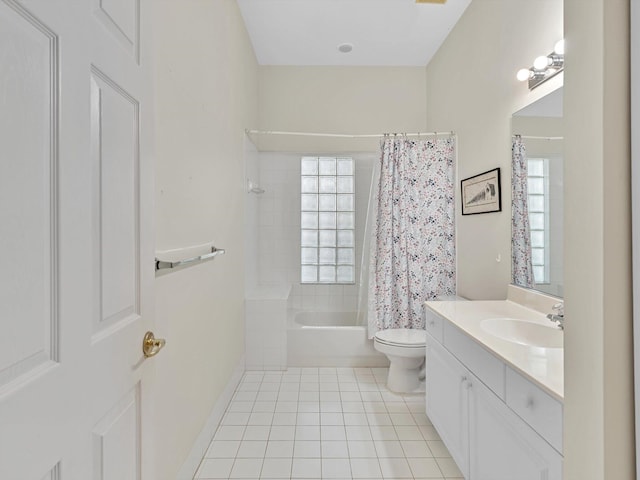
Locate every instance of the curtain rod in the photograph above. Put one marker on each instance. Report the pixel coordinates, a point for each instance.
(530, 137)
(342, 135)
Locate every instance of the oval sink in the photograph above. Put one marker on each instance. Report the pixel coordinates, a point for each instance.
(524, 332)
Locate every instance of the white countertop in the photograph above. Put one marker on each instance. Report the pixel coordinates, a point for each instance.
(544, 366)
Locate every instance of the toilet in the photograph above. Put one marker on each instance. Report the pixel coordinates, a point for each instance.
(405, 349)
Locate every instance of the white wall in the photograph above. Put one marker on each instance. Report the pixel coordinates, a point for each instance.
(206, 77)
(472, 89)
(347, 100)
(599, 417)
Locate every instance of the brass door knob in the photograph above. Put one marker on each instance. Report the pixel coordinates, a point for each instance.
(151, 345)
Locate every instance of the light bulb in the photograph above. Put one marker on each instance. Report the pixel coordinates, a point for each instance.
(523, 74)
(541, 62)
(559, 47)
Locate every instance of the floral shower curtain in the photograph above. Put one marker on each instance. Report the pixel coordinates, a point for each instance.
(412, 257)
(521, 266)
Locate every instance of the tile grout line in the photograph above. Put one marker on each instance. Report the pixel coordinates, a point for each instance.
(360, 378)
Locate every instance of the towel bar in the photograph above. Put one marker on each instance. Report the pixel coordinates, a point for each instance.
(162, 264)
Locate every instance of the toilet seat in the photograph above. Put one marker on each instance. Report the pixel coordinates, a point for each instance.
(402, 337)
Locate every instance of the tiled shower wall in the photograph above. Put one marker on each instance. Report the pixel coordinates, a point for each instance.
(252, 173)
(279, 231)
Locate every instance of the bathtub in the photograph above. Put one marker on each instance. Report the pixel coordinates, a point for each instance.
(329, 339)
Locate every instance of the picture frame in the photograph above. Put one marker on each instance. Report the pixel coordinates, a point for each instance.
(481, 193)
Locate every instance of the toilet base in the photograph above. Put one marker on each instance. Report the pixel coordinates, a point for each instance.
(404, 374)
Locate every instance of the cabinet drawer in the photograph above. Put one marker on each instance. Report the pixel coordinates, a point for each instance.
(536, 407)
(485, 366)
(434, 324)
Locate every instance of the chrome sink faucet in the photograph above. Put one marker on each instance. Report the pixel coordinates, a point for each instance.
(557, 315)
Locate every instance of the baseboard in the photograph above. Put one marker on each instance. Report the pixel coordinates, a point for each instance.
(191, 464)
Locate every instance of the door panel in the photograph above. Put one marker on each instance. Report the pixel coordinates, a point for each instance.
(122, 19)
(33, 382)
(116, 440)
(76, 236)
(54, 474)
(27, 183)
(115, 143)
(120, 96)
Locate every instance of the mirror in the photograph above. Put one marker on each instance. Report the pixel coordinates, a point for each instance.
(540, 127)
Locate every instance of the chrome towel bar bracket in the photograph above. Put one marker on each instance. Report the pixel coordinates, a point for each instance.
(162, 264)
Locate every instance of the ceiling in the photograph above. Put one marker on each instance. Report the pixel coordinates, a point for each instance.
(382, 32)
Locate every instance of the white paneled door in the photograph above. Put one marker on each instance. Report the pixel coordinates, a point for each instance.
(76, 240)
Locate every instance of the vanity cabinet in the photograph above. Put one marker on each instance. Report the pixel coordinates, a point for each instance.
(447, 402)
(485, 436)
(502, 445)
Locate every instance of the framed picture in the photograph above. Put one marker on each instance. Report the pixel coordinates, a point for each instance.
(481, 193)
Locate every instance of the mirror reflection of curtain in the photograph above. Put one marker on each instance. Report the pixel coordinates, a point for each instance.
(412, 257)
(521, 267)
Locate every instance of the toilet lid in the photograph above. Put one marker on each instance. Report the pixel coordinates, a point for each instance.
(406, 337)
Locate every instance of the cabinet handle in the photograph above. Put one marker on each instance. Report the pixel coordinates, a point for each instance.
(530, 403)
(469, 385)
(463, 379)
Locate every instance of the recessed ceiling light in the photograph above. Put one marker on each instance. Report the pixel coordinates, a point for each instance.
(345, 47)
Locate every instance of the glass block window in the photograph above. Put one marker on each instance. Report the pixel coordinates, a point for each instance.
(327, 220)
(538, 185)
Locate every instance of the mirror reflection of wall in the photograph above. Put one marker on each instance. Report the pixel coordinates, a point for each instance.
(540, 126)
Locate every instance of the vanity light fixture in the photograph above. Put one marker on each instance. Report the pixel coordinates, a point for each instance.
(544, 67)
(529, 74)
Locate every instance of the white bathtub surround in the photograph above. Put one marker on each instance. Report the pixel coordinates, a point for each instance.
(321, 423)
(414, 231)
(251, 219)
(278, 231)
(330, 339)
(266, 327)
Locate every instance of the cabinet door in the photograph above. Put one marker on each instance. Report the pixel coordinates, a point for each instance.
(447, 401)
(503, 446)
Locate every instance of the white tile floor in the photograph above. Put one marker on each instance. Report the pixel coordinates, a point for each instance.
(325, 423)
